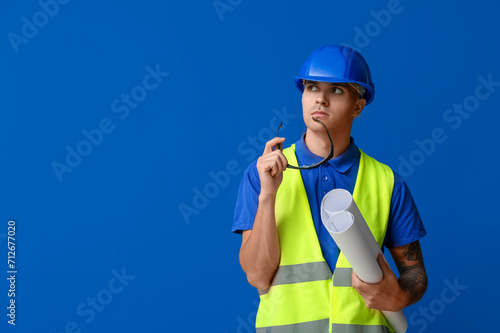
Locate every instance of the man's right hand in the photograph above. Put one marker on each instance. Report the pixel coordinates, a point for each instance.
(271, 166)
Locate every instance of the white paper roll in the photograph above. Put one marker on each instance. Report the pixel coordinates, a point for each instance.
(362, 259)
(348, 228)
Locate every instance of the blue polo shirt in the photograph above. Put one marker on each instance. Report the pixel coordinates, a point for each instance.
(404, 225)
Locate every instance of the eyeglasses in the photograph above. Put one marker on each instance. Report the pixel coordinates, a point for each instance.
(330, 155)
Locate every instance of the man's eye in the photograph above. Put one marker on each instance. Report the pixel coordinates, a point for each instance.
(337, 90)
(312, 87)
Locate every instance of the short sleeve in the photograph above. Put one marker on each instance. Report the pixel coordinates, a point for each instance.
(405, 225)
(247, 201)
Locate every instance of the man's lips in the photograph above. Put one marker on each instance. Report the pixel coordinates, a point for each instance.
(319, 114)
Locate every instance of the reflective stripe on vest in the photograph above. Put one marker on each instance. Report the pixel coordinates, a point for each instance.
(312, 271)
(322, 326)
(351, 328)
(302, 292)
(343, 277)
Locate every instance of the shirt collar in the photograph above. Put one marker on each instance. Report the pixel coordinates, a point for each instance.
(341, 163)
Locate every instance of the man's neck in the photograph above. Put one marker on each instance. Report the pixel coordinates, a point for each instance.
(319, 144)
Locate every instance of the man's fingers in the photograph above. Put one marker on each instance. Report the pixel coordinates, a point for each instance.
(356, 282)
(277, 163)
(271, 143)
(272, 162)
(382, 263)
(274, 168)
(284, 161)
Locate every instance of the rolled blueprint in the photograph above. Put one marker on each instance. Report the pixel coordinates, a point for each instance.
(349, 230)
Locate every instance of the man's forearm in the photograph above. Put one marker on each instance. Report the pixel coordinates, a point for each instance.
(260, 253)
(412, 278)
(414, 282)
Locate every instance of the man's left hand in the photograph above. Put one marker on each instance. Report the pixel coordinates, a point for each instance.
(386, 295)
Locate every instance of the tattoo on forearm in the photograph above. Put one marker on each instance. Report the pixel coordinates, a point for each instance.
(413, 278)
(414, 252)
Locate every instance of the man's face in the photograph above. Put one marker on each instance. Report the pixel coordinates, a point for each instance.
(335, 104)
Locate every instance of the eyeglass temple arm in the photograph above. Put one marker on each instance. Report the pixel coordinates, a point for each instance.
(330, 155)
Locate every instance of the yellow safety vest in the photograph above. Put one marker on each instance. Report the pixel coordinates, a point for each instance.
(304, 296)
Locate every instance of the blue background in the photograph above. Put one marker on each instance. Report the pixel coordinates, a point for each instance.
(229, 71)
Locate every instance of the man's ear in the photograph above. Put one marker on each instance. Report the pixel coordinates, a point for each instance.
(358, 107)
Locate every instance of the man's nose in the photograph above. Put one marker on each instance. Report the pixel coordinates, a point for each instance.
(321, 100)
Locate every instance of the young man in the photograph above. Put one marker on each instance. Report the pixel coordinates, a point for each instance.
(286, 252)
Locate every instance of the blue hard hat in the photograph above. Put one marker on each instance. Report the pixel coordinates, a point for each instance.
(335, 63)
